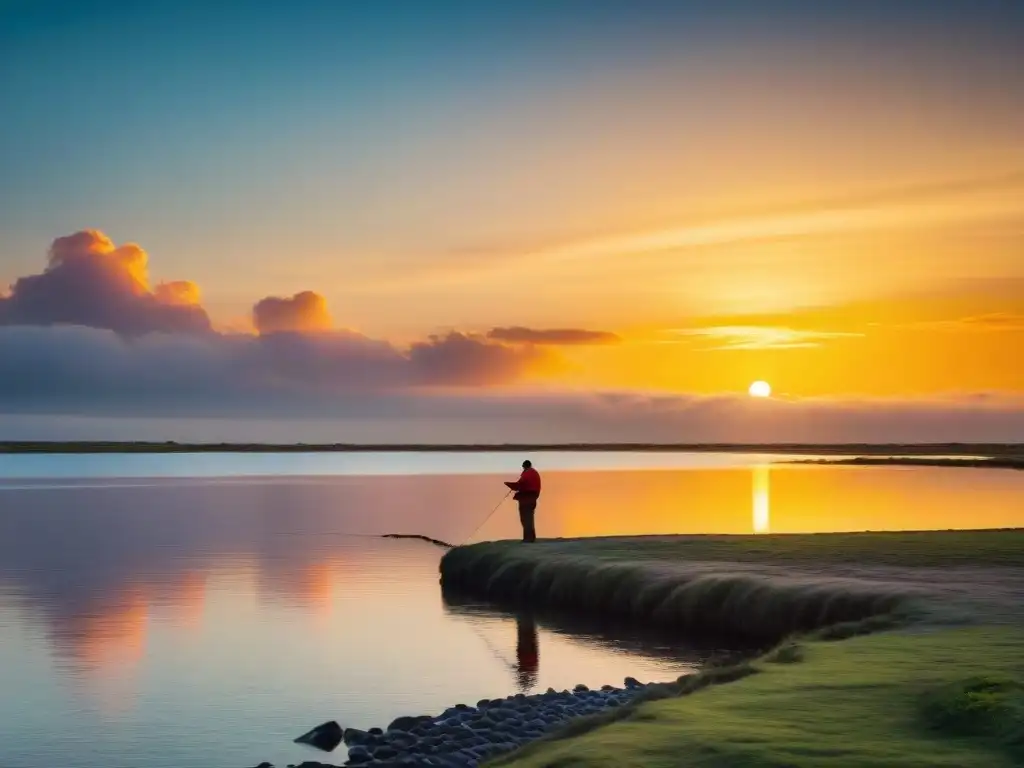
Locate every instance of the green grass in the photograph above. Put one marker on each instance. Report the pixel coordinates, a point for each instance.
(903, 688)
(949, 697)
(910, 549)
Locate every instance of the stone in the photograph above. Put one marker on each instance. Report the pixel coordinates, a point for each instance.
(358, 755)
(324, 737)
(384, 753)
(581, 688)
(632, 683)
(354, 736)
(407, 723)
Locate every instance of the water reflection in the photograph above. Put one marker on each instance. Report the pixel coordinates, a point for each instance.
(497, 625)
(150, 618)
(527, 651)
(762, 499)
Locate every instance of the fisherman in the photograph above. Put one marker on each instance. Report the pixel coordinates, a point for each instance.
(527, 489)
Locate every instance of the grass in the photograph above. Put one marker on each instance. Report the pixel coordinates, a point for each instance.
(942, 698)
(720, 584)
(903, 688)
(984, 548)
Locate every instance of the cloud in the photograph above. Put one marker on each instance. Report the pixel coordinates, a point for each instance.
(90, 281)
(736, 337)
(305, 311)
(469, 360)
(955, 201)
(552, 336)
(345, 388)
(987, 323)
(85, 368)
(179, 292)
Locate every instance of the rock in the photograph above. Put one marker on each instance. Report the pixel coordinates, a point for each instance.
(407, 723)
(354, 736)
(358, 754)
(385, 753)
(324, 737)
(632, 683)
(581, 688)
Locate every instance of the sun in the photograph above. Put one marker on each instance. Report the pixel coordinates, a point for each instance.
(760, 389)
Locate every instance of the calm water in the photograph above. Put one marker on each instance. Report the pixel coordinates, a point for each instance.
(187, 611)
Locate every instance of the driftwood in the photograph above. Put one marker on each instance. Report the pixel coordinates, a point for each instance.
(438, 542)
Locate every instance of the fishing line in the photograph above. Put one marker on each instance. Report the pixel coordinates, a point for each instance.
(489, 516)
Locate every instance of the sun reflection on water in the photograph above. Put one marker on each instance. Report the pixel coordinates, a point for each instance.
(761, 498)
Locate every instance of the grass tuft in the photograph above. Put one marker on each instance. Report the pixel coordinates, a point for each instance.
(789, 652)
(982, 706)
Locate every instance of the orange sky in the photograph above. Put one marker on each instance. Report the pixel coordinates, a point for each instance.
(835, 205)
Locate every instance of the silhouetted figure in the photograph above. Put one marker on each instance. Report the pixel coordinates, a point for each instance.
(527, 651)
(527, 489)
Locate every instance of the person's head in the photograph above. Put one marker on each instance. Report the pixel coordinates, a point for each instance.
(527, 464)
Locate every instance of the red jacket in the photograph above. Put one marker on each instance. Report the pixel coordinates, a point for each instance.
(529, 481)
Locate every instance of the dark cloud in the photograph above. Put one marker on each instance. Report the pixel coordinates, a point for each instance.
(89, 281)
(468, 360)
(82, 368)
(553, 336)
(305, 311)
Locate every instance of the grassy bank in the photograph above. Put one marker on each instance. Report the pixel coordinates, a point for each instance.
(944, 698)
(926, 692)
(759, 588)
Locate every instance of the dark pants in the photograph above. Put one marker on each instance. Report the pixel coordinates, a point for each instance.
(527, 508)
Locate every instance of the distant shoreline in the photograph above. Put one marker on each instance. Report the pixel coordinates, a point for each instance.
(990, 462)
(858, 449)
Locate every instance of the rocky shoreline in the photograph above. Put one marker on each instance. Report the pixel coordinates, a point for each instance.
(464, 736)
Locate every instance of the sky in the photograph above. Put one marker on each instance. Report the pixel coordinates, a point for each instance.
(562, 220)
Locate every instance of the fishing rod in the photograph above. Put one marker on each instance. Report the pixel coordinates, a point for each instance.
(489, 516)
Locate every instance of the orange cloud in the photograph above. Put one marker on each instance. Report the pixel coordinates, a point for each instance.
(304, 312)
(553, 336)
(179, 293)
(990, 322)
(92, 282)
(736, 337)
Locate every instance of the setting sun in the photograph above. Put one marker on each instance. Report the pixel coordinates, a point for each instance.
(760, 389)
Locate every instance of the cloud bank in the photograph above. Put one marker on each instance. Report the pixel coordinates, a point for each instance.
(89, 341)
